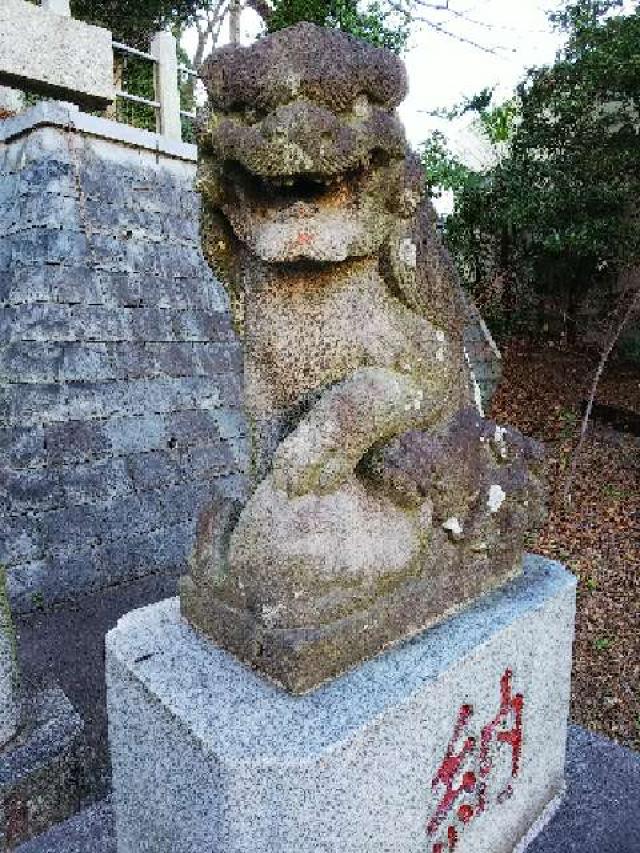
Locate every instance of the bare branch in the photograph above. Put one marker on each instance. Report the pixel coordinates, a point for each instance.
(234, 21)
(215, 17)
(437, 7)
(464, 16)
(624, 315)
(494, 51)
(401, 7)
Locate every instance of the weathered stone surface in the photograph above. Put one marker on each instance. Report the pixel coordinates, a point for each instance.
(360, 765)
(120, 386)
(597, 815)
(49, 53)
(382, 498)
(9, 701)
(332, 71)
(42, 769)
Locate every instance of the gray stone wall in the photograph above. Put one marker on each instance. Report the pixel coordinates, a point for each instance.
(120, 390)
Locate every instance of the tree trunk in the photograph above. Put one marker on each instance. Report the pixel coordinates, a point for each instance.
(234, 21)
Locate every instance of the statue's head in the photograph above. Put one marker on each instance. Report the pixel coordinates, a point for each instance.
(303, 153)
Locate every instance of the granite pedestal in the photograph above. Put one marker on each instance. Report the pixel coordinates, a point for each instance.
(454, 740)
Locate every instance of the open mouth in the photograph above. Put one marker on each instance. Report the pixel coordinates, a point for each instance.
(280, 192)
(300, 188)
(310, 216)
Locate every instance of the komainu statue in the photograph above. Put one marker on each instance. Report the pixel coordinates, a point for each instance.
(382, 499)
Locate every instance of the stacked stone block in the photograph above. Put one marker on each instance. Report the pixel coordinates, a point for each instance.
(120, 391)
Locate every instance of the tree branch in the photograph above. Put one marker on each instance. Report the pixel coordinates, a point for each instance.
(215, 18)
(402, 9)
(464, 16)
(614, 336)
(445, 32)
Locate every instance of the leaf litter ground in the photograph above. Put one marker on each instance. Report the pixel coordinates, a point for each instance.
(598, 534)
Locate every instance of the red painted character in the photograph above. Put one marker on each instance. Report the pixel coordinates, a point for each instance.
(506, 727)
(465, 791)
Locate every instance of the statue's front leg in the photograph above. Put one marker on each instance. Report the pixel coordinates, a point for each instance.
(371, 406)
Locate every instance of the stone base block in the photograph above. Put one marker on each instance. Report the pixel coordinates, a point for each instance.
(301, 659)
(42, 778)
(55, 55)
(452, 741)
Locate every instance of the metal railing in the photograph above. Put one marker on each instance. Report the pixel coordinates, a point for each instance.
(149, 86)
(156, 105)
(121, 73)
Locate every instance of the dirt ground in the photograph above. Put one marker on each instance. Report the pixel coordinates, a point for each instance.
(598, 534)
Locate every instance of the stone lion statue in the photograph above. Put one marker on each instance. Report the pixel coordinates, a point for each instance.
(382, 498)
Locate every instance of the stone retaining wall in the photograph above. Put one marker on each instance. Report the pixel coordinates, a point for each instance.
(120, 392)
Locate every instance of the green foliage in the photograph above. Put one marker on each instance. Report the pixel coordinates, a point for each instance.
(559, 211)
(378, 23)
(601, 644)
(135, 75)
(578, 17)
(444, 171)
(499, 123)
(188, 103)
(134, 21)
(578, 145)
(476, 103)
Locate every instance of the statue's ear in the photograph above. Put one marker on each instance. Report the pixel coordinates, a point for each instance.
(398, 256)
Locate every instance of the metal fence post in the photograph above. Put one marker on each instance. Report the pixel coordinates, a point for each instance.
(164, 50)
(60, 7)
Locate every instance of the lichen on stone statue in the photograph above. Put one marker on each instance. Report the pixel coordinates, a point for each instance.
(382, 499)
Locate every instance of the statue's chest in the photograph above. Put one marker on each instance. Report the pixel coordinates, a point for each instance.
(307, 322)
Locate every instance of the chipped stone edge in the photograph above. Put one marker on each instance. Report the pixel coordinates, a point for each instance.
(140, 634)
(68, 116)
(542, 821)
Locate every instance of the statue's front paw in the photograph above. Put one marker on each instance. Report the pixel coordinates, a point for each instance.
(293, 464)
(290, 477)
(301, 467)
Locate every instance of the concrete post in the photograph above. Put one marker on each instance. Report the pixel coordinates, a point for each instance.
(164, 50)
(59, 7)
(45, 50)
